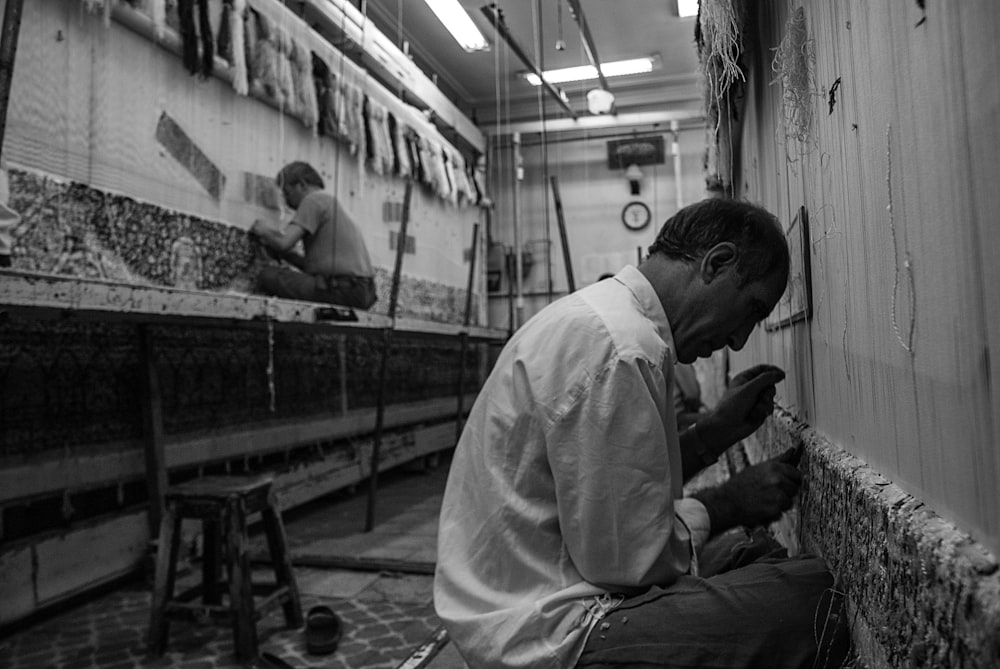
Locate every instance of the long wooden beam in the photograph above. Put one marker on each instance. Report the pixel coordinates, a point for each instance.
(52, 295)
(496, 20)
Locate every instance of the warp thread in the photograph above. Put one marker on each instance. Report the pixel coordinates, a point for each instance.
(268, 308)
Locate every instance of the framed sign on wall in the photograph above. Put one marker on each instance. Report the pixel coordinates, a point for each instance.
(796, 303)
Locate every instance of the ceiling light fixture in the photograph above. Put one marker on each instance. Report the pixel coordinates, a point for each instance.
(616, 68)
(686, 8)
(459, 24)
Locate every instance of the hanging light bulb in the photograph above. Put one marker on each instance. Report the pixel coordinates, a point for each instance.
(600, 101)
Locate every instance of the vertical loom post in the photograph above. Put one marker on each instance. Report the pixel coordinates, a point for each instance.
(675, 150)
(464, 336)
(152, 422)
(516, 194)
(8, 51)
(560, 219)
(384, 361)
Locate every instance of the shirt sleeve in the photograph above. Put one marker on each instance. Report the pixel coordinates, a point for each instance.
(309, 215)
(610, 460)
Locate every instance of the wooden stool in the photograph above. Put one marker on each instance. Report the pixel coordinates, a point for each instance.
(223, 504)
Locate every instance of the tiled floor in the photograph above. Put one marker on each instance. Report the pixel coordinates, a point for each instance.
(385, 613)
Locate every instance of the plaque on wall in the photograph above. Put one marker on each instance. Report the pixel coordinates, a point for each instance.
(796, 303)
(638, 150)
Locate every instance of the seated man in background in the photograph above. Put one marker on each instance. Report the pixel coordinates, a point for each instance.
(336, 267)
(564, 539)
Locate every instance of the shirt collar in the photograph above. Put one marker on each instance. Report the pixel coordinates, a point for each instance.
(648, 301)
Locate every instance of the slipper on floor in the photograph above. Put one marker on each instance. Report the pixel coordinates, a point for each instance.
(323, 630)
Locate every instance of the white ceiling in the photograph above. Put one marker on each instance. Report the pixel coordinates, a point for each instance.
(488, 85)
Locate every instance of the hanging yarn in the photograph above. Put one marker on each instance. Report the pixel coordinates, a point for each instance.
(305, 87)
(189, 35)
(794, 61)
(224, 39)
(286, 84)
(250, 48)
(719, 35)
(721, 43)
(237, 30)
(265, 59)
(207, 45)
(158, 13)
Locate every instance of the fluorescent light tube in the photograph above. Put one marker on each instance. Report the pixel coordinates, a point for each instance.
(616, 68)
(459, 24)
(686, 8)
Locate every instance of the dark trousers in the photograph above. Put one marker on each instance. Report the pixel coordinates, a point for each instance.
(751, 607)
(348, 291)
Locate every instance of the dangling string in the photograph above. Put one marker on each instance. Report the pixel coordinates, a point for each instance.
(269, 311)
(907, 344)
(536, 24)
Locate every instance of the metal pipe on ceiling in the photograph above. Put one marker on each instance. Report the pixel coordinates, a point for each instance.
(495, 17)
(588, 41)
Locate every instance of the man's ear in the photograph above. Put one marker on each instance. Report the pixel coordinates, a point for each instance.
(719, 259)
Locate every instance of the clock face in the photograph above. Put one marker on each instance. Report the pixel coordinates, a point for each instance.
(636, 215)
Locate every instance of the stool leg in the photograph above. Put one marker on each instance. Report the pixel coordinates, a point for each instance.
(277, 545)
(211, 566)
(163, 584)
(240, 588)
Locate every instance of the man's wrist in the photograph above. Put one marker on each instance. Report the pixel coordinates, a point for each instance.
(705, 453)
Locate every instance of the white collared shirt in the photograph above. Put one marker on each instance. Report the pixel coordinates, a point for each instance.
(565, 486)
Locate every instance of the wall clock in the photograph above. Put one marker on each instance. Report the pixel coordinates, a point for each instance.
(636, 215)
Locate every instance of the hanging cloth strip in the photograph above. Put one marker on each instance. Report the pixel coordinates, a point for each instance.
(371, 159)
(382, 150)
(432, 173)
(305, 87)
(463, 189)
(449, 174)
(189, 35)
(102, 7)
(238, 59)
(158, 13)
(197, 47)
(441, 182)
(327, 93)
(355, 116)
(250, 48)
(404, 167)
(286, 83)
(265, 60)
(416, 159)
(389, 150)
(224, 40)
(207, 45)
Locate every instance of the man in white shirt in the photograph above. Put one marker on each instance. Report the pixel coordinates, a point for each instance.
(564, 539)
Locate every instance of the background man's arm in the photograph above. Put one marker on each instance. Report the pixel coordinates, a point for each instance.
(281, 242)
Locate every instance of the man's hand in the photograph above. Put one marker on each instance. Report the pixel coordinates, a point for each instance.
(756, 496)
(744, 406)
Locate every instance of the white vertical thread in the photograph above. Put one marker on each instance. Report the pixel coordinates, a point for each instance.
(270, 351)
(907, 344)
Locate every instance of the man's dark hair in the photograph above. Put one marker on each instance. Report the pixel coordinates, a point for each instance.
(695, 229)
(299, 172)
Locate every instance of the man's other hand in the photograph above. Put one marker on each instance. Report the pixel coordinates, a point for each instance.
(758, 495)
(761, 493)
